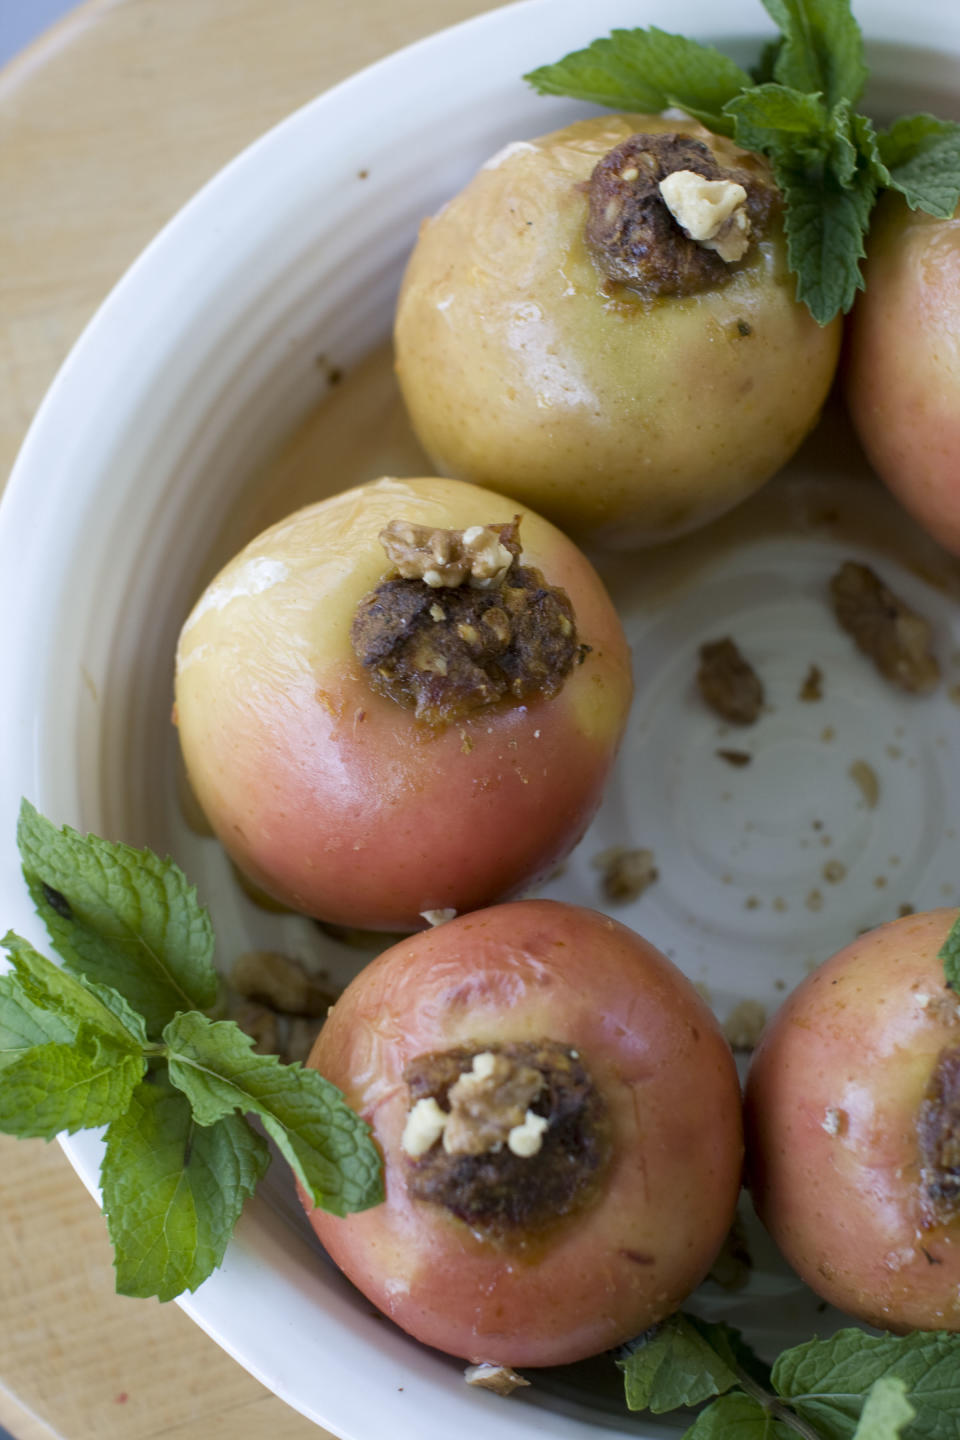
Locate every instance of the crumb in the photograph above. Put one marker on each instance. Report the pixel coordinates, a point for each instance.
(903, 910)
(894, 752)
(867, 781)
(499, 1378)
(438, 917)
(881, 882)
(744, 1024)
(731, 1269)
(739, 758)
(779, 984)
(780, 905)
(812, 687)
(827, 734)
(834, 871)
(885, 628)
(625, 873)
(728, 683)
(814, 900)
(817, 824)
(752, 902)
(834, 1121)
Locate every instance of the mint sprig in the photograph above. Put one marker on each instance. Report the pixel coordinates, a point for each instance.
(116, 1037)
(123, 917)
(798, 108)
(853, 1386)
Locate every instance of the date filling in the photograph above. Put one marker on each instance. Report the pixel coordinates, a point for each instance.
(462, 625)
(938, 1130)
(509, 1138)
(666, 218)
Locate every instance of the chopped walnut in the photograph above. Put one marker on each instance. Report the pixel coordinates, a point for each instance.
(728, 683)
(499, 1378)
(885, 628)
(280, 982)
(488, 1102)
(711, 212)
(439, 917)
(938, 1133)
(744, 1025)
(274, 1033)
(625, 873)
(812, 688)
(443, 559)
(867, 782)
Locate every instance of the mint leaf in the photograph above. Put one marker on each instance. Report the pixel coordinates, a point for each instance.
(822, 48)
(67, 1086)
(328, 1147)
(886, 1411)
(825, 223)
(648, 71)
(674, 1365)
(122, 917)
(737, 1417)
(173, 1190)
(764, 115)
(949, 953)
(922, 156)
(36, 984)
(827, 1381)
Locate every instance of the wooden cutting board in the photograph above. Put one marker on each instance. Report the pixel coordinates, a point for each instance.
(107, 126)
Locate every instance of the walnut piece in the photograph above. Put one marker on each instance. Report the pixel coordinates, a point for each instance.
(488, 1103)
(711, 212)
(938, 1134)
(625, 873)
(744, 1025)
(728, 683)
(444, 559)
(498, 1378)
(885, 628)
(281, 983)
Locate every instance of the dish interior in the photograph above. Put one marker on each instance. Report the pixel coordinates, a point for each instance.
(764, 867)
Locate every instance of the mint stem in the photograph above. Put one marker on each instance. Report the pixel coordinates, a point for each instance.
(775, 1407)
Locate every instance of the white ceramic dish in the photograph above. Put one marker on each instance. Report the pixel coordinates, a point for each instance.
(142, 465)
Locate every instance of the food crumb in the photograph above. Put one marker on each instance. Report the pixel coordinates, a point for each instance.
(731, 1269)
(501, 1379)
(834, 1121)
(780, 905)
(814, 900)
(752, 902)
(438, 917)
(744, 1025)
(812, 687)
(834, 871)
(865, 778)
(954, 694)
(885, 628)
(739, 758)
(728, 682)
(881, 882)
(827, 734)
(625, 873)
(904, 910)
(894, 752)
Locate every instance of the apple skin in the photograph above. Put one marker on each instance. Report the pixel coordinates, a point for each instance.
(902, 369)
(852, 1051)
(519, 972)
(333, 799)
(626, 421)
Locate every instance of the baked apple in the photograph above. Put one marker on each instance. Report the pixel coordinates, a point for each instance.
(403, 699)
(902, 373)
(853, 1129)
(603, 325)
(559, 1117)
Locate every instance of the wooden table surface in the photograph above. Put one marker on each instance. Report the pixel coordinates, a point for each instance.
(107, 126)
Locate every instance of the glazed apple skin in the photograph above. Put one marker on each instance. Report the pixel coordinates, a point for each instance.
(902, 372)
(522, 972)
(331, 798)
(625, 421)
(852, 1050)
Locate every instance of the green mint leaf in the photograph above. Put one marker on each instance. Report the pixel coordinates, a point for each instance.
(822, 48)
(737, 1417)
(68, 1086)
(328, 1147)
(825, 223)
(827, 1381)
(949, 953)
(648, 71)
(729, 1344)
(674, 1365)
(120, 916)
(922, 156)
(36, 984)
(173, 1190)
(885, 1412)
(766, 114)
